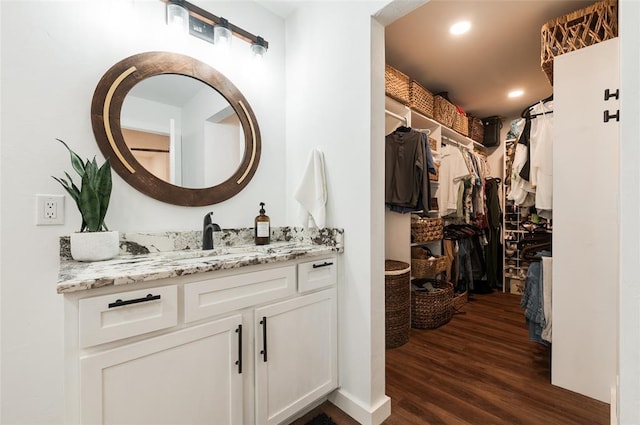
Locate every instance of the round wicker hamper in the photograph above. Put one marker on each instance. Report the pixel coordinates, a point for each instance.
(430, 309)
(397, 296)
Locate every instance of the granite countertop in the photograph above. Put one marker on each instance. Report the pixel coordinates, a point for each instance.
(146, 257)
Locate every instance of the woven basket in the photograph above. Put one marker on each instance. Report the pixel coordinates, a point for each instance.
(425, 265)
(436, 176)
(433, 144)
(430, 309)
(476, 129)
(425, 229)
(444, 111)
(396, 85)
(397, 296)
(459, 300)
(421, 99)
(582, 28)
(461, 124)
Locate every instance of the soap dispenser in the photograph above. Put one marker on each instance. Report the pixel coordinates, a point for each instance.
(262, 227)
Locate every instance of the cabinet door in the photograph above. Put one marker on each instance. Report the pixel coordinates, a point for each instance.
(296, 354)
(585, 221)
(186, 377)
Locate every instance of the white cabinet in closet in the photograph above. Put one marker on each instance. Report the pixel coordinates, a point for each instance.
(585, 220)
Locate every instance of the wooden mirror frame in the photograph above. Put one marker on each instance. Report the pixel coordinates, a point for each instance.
(105, 119)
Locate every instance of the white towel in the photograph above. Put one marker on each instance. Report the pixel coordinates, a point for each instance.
(312, 191)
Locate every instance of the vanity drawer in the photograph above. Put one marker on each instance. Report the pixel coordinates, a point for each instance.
(317, 274)
(111, 317)
(224, 294)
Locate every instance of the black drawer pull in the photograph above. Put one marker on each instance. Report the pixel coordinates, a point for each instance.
(325, 264)
(120, 303)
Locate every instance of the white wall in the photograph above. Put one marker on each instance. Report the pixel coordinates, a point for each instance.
(53, 54)
(329, 106)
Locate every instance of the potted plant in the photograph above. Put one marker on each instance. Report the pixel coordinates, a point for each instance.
(94, 242)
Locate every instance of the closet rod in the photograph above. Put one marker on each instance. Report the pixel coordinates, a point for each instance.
(454, 142)
(400, 117)
(469, 147)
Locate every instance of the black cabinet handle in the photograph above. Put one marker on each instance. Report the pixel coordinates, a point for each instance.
(120, 303)
(263, 322)
(608, 95)
(608, 116)
(239, 361)
(325, 264)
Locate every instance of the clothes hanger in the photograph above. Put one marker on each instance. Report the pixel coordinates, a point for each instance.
(526, 113)
(530, 252)
(403, 129)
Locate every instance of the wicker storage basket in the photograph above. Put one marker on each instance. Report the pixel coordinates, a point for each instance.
(582, 28)
(396, 85)
(397, 297)
(461, 124)
(421, 99)
(425, 229)
(444, 111)
(433, 144)
(476, 129)
(436, 176)
(430, 309)
(424, 264)
(460, 299)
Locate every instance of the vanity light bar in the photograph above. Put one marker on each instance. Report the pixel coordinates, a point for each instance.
(201, 25)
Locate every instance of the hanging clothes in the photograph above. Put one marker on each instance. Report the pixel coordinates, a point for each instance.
(521, 192)
(494, 218)
(453, 169)
(541, 145)
(407, 164)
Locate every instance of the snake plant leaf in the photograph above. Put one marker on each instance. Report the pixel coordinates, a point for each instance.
(91, 168)
(66, 187)
(103, 189)
(73, 186)
(90, 205)
(76, 161)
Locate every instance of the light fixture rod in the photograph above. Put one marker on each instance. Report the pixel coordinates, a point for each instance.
(212, 19)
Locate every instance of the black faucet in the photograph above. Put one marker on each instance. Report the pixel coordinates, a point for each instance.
(207, 231)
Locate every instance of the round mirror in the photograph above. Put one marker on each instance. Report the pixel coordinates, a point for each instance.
(175, 129)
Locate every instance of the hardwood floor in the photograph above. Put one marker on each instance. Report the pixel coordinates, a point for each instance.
(478, 369)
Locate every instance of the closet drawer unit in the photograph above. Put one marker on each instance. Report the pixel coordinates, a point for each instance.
(317, 274)
(216, 296)
(112, 317)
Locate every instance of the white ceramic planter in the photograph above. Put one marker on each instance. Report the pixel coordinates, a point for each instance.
(95, 246)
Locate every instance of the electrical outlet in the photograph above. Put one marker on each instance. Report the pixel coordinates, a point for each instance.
(49, 209)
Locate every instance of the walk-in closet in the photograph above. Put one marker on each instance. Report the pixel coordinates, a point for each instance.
(501, 218)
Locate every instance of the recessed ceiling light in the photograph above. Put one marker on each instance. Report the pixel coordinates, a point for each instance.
(460, 27)
(516, 93)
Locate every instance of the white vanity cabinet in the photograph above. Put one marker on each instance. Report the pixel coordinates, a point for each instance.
(184, 377)
(192, 349)
(296, 354)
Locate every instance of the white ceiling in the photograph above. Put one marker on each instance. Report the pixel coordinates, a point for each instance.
(499, 54)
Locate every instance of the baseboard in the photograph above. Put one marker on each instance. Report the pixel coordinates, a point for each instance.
(613, 410)
(374, 415)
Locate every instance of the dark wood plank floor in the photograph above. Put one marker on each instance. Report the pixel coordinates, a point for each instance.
(478, 369)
